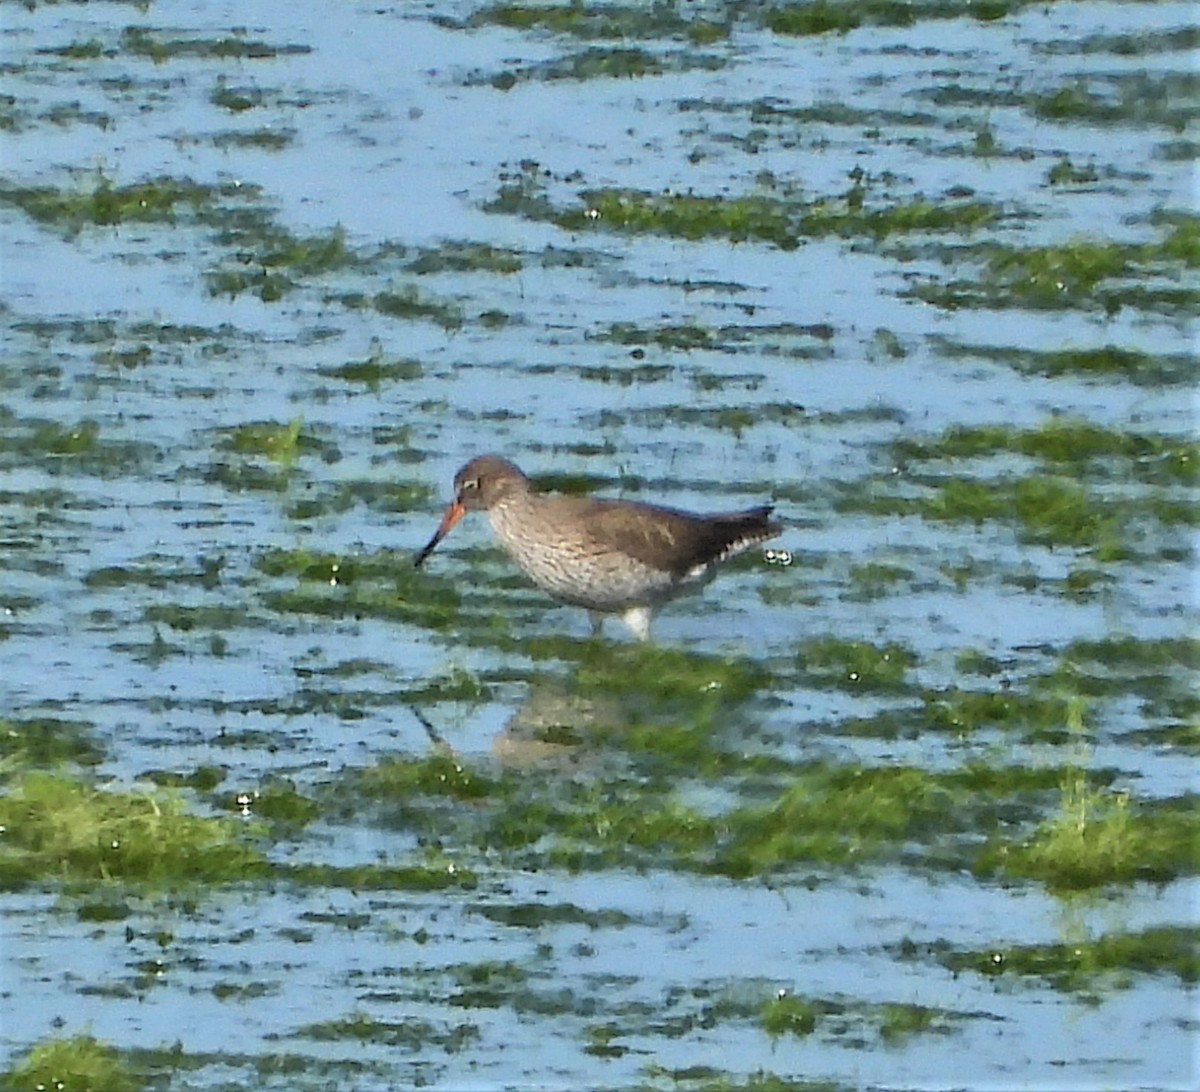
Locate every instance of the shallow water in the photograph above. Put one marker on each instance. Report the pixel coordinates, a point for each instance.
(142, 516)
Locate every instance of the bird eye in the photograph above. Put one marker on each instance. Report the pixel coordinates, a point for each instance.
(472, 483)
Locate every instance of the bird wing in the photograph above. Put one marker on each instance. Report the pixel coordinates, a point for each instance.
(669, 539)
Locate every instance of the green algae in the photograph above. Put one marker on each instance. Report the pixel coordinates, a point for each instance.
(376, 370)
(1109, 361)
(60, 829)
(90, 50)
(465, 257)
(268, 140)
(269, 260)
(408, 303)
(371, 877)
(236, 100)
(1080, 444)
(153, 573)
(790, 1015)
(81, 1063)
(599, 62)
(536, 915)
(757, 217)
(57, 447)
(413, 1034)
(1112, 959)
(727, 338)
(875, 579)
(436, 775)
(627, 375)
(1137, 653)
(1102, 838)
(162, 200)
(1164, 99)
(1065, 173)
(202, 779)
(1043, 509)
(592, 21)
(46, 743)
(1088, 274)
(658, 674)
(380, 585)
(894, 1022)
(856, 665)
(843, 16)
(282, 444)
(140, 42)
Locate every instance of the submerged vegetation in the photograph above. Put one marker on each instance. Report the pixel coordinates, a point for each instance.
(782, 221)
(387, 820)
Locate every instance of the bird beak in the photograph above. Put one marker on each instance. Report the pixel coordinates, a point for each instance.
(454, 512)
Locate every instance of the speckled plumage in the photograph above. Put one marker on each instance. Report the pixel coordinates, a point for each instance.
(609, 556)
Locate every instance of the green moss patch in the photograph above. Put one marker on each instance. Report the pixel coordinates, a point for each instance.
(600, 62)
(376, 370)
(382, 584)
(412, 1035)
(1067, 442)
(77, 1064)
(856, 665)
(597, 21)
(1164, 99)
(782, 222)
(1104, 362)
(1087, 274)
(80, 447)
(1042, 509)
(57, 829)
(162, 200)
(792, 339)
(46, 742)
(1102, 838)
(1112, 959)
(270, 260)
(155, 46)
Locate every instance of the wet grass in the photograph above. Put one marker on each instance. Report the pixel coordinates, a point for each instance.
(1043, 509)
(270, 261)
(761, 217)
(856, 665)
(599, 21)
(379, 585)
(891, 1023)
(1105, 362)
(61, 448)
(156, 46)
(812, 814)
(59, 828)
(800, 340)
(1087, 274)
(1088, 965)
(46, 743)
(599, 62)
(412, 1035)
(1087, 449)
(162, 200)
(1166, 99)
(77, 1064)
(376, 370)
(1102, 838)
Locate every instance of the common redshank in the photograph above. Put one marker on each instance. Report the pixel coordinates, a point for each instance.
(609, 556)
